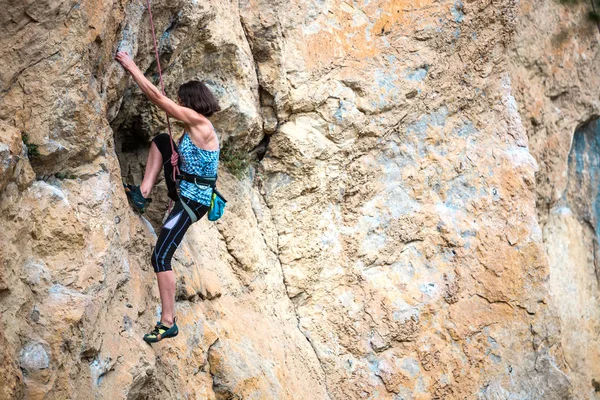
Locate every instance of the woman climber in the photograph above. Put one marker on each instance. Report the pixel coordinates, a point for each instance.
(199, 150)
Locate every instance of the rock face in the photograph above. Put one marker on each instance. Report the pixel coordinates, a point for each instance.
(554, 64)
(384, 243)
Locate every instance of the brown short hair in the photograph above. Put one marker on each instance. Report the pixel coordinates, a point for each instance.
(197, 96)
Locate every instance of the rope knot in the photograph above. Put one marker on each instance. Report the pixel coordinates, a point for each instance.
(174, 159)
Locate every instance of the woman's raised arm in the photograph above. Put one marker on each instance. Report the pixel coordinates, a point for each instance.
(184, 114)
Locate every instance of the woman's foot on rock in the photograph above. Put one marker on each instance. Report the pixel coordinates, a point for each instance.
(136, 199)
(161, 332)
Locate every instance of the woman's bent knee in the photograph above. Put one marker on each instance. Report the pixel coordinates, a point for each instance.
(163, 144)
(159, 264)
(161, 138)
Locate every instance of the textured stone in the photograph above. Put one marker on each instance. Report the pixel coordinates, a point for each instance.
(387, 245)
(11, 378)
(33, 358)
(559, 103)
(35, 274)
(10, 152)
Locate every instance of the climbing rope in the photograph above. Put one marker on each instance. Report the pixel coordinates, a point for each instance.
(175, 156)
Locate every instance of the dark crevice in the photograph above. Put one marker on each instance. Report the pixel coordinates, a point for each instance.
(133, 132)
(266, 98)
(258, 153)
(131, 136)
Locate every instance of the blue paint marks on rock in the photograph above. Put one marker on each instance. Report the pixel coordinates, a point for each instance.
(496, 359)
(457, 11)
(165, 38)
(128, 38)
(411, 366)
(418, 74)
(419, 128)
(468, 234)
(99, 368)
(460, 192)
(456, 33)
(385, 80)
(373, 363)
(344, 109)
(435, 119)
(428, 288)
(465, 130)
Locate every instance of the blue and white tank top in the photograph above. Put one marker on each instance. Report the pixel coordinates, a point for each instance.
(197, 161)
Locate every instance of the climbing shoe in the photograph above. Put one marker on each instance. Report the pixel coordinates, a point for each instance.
(137, 201)
(161, 332)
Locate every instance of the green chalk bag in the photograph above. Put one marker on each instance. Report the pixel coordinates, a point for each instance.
(217, 206)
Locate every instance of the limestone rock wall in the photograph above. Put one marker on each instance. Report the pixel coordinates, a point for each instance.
(386, 246)
(554, 65)
(77, 289)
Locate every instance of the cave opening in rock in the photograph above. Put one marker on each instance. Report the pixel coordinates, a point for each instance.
(133, 133)
(131, 136)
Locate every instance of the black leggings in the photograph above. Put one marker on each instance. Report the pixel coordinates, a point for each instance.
(162, 141)
(178, 221)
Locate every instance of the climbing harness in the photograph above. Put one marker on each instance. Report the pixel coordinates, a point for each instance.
(217, 201)
(217, 204)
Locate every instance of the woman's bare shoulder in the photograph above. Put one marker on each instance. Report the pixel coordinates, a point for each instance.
(204, 136)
